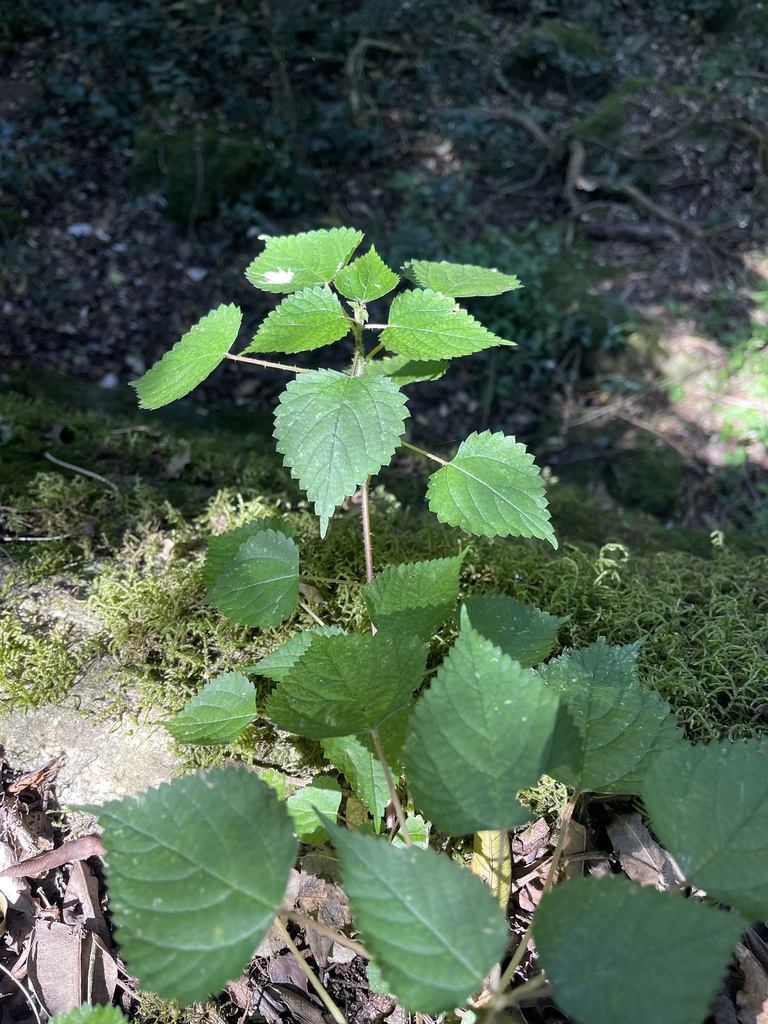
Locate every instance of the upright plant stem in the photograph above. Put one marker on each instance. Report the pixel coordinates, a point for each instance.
(506, 978)
(366, 510)
(398, 807)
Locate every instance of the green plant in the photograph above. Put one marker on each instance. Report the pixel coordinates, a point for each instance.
(198, 868)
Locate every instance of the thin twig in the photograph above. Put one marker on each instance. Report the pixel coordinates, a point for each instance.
(266, 362)
(14, 540)
(310, 613)
(84, 472)
(322, 929)
(24, 992)
(314, 981)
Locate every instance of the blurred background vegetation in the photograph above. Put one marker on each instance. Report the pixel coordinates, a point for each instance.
(612, 154)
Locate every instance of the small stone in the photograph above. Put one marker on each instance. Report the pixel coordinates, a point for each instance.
(109, 381)
(196, 274)
(80, 230)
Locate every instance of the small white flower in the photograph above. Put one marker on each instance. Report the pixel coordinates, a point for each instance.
(278, 276)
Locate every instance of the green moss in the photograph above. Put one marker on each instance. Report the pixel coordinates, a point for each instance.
(38, 661)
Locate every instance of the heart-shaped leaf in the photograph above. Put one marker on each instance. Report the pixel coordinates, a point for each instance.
(335, 431)
(492, 488)
(223, 548)
(479, 735)
(196, 871)
(622, 723)
(347, 684)
(366, 278)
(322, 794)
(260, 585)
(432, 926)
(417, 597)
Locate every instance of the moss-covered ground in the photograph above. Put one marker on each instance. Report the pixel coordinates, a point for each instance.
(131, 544)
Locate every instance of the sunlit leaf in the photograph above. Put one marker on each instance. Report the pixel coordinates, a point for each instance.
(621, 722)
(292, 262)
(479, 735)
(335, 431)
(190, 360)
(366, 278)
(223, 547)
(425, 326)
(260, 585)
(279, 662)
(309, 319)
(347, 684)
(432, 926)
(492, 488)
(416, 597)
(458, 280)
(218, 713)
(322, 794)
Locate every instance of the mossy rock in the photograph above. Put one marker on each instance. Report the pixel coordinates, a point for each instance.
(171, 163)
(562, 55)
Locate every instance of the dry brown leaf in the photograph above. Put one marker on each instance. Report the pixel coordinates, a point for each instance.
(752, 999)
(82, 905)
(67, 968)
(71, 850)
(575, 846)
(641, 857)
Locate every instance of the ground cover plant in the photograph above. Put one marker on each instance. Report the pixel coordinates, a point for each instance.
(461, 704)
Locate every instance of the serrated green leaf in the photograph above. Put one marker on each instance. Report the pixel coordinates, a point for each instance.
(614, 951)
(423, 325)
(418, 832)
(403, 370)
(347, 684)
(520, 630)
(458, 279)
(492, 489)
(322, 794)
(218, 713)
(479, 735)
(196, 871)
(416, 597)
(292, 262)
(431, 925)
(260, 585)
(709, 808)
(90, 1015)
(279, 662)
(366, 278)
(622, 723)
(223, 548)
(190, 360)
(309, 319)
(335, 431)
(356, 757)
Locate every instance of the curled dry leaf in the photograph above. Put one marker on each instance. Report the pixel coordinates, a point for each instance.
(71, 850)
